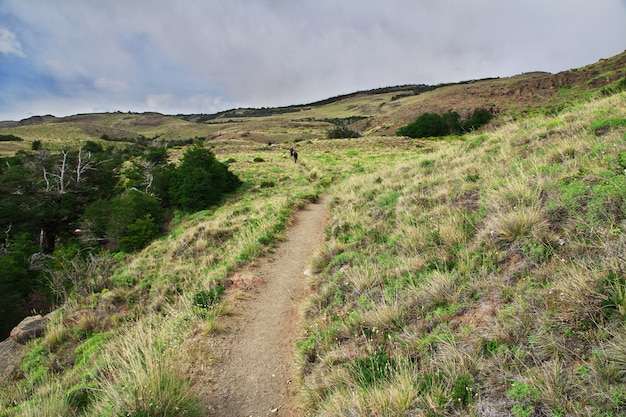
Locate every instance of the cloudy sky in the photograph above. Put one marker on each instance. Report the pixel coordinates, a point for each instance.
(64, 57)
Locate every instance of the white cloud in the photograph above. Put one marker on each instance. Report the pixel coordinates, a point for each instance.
(209, 55)
(159, 100)
(109, 85)
(9, 44)
(170, 104)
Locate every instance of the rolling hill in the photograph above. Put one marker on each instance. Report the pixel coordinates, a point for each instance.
(378, 112)
(480, 274)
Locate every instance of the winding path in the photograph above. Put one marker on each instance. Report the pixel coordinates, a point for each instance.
(255, 369)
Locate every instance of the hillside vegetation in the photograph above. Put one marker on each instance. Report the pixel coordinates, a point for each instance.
(378, 112)
(481, 274)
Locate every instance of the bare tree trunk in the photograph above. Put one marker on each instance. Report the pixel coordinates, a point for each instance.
(5, 247)
(82, 165)
(45, 177)
(62, 173)
(79, 166)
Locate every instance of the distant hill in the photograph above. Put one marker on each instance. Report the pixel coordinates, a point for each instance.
(480, 274)
(376, 112)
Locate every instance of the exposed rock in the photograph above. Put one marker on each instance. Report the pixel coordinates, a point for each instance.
(243, 281)
(29, 328)
(10, 354)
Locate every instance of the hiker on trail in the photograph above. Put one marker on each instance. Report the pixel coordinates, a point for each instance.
(294, 154)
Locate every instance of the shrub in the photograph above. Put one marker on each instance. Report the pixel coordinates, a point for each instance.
(480, 118)
(426, 125)
(434, 125)
(139, 233)
(342, 132)
(206, 299)
(10, 138)
(134, 220)
(200, 180)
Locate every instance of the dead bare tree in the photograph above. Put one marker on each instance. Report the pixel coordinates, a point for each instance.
(147, 169)
(83, 164)
(5, 247)
(59, 179)
(47, 180)
(62, 172)
(81, 275)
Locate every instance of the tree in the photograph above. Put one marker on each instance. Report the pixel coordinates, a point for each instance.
(426, 125)
(17, 279)
(139, 233)
(200, 180)
(342, 132)
(434, 125)
(126, 210)
(480, 118)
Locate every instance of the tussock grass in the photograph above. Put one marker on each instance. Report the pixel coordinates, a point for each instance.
(518, 224)
(514, 222)
(56, 332)
(481, 275)
(143, 375)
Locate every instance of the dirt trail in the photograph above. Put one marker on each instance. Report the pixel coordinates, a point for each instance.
(255, 369)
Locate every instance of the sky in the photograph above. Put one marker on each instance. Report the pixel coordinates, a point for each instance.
(64, 57)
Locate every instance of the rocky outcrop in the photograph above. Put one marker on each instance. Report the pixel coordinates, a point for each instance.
(29, 328)
(539, 90)
(10, 355)
(11, 349)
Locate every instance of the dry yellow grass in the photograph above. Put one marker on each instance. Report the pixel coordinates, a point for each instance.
(409, 257)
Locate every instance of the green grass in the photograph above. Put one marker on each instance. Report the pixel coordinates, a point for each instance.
(484, 272)
(520, 240)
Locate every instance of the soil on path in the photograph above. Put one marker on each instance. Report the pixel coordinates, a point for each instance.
(255, 367)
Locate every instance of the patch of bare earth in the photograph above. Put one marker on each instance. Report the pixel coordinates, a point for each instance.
(253, 360)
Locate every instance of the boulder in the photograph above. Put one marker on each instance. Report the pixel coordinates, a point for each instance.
(10, 355)
(29, 328)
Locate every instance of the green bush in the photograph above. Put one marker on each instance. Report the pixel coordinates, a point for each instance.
(10, 138)
(434, 125)
(342, 132)
(133, 221)
(426, 125)
(480, 118)
(139, 233)
(206, 299)
(201, 180)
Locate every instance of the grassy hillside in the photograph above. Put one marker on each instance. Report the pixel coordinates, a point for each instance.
(479, 276)
(474, 275)
(382, 111)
